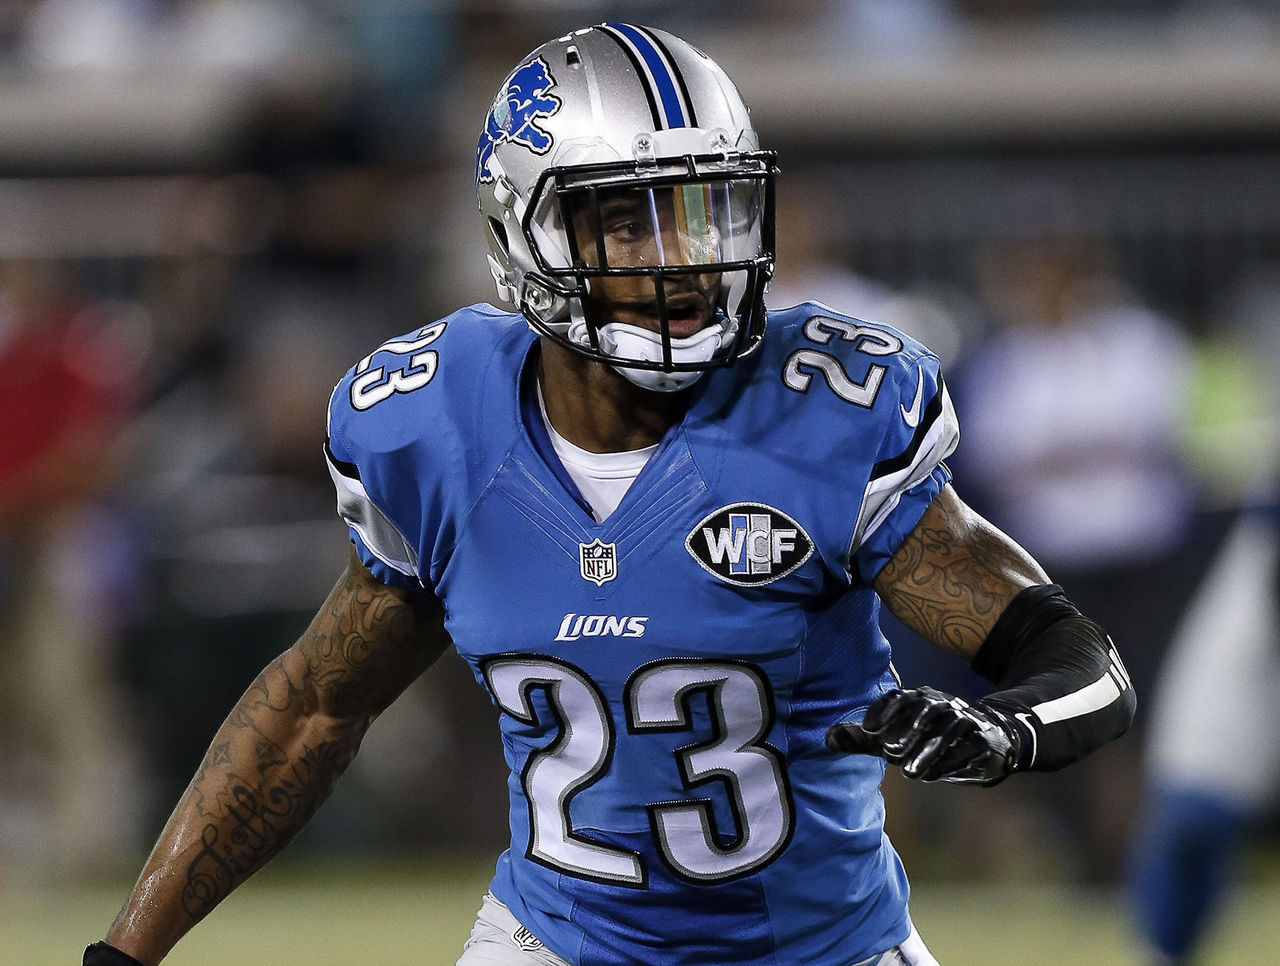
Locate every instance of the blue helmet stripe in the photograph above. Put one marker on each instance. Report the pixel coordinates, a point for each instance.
(659, 72)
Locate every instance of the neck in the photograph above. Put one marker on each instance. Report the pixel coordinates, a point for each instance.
(594, 407)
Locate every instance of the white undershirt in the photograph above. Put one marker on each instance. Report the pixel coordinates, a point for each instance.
(601, 478)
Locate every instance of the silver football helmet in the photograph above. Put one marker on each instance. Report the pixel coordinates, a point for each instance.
(627, 204)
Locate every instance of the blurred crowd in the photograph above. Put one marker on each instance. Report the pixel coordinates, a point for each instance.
(176, 305)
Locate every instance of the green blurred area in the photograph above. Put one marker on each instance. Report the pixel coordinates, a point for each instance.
(399, 914)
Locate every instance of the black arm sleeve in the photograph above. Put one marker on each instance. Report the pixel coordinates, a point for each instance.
(100, 954)
(1063, 687)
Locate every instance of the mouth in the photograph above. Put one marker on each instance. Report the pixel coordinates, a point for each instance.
(687, 314)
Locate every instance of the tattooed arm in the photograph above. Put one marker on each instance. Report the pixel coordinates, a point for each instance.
(276, 757)
(954, 575)
(962, 584)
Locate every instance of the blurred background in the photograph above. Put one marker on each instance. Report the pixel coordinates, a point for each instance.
(210, 208)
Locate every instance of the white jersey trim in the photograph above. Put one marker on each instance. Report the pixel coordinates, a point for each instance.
(883, 494)
(383, 539)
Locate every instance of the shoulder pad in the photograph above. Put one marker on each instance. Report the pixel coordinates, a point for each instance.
(404, 419)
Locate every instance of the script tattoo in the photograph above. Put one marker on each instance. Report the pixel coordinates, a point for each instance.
(253, 811)
(953, 575)
(262, 780)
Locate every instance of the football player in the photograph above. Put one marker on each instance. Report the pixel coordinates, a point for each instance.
(661, 539)
(1212, 775)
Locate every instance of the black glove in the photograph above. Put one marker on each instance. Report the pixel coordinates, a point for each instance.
(933, 736)
(100, 954)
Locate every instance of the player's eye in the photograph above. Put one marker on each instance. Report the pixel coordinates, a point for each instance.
(626, 229)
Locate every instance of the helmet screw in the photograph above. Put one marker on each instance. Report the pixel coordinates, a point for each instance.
(538, 298)
(642, 148)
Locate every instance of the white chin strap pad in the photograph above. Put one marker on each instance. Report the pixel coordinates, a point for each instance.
(633, 342)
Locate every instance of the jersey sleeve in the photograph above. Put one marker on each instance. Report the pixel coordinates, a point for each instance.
(379, 540)
(921, 431)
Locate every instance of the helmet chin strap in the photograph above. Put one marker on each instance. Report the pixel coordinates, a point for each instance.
(634, 342)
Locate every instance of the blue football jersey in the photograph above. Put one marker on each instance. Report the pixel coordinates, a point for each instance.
(666, 677)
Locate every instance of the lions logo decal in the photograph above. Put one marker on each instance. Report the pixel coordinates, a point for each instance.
(515, 113)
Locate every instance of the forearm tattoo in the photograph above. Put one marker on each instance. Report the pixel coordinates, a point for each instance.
(953, 576)
(286, 742)
(251, 816)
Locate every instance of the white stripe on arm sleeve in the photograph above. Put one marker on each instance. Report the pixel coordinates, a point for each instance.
(1111, 689)
(1107, 690)
(1090, 698)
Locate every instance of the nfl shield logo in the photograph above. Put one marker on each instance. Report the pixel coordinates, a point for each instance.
(599, 561)
(526, 940)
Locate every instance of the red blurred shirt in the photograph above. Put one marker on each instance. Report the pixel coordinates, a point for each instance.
(65, 391)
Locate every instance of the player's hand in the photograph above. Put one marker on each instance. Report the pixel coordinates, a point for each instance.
(100, 954)
(933, 736)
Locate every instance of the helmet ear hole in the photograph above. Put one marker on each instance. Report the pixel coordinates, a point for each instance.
(498, 232)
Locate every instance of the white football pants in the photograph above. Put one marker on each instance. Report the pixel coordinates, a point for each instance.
(498, 939)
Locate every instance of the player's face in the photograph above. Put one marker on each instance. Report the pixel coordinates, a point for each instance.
(646, 228)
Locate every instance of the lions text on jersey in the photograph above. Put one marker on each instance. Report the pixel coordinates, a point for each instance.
(666, 676)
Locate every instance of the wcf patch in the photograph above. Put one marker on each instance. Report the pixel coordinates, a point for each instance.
(749, 544)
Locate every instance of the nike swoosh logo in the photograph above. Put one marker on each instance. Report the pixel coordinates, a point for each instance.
(912, 416)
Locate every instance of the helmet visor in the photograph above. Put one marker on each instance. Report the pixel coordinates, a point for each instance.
(701, 224)
(694, 235)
